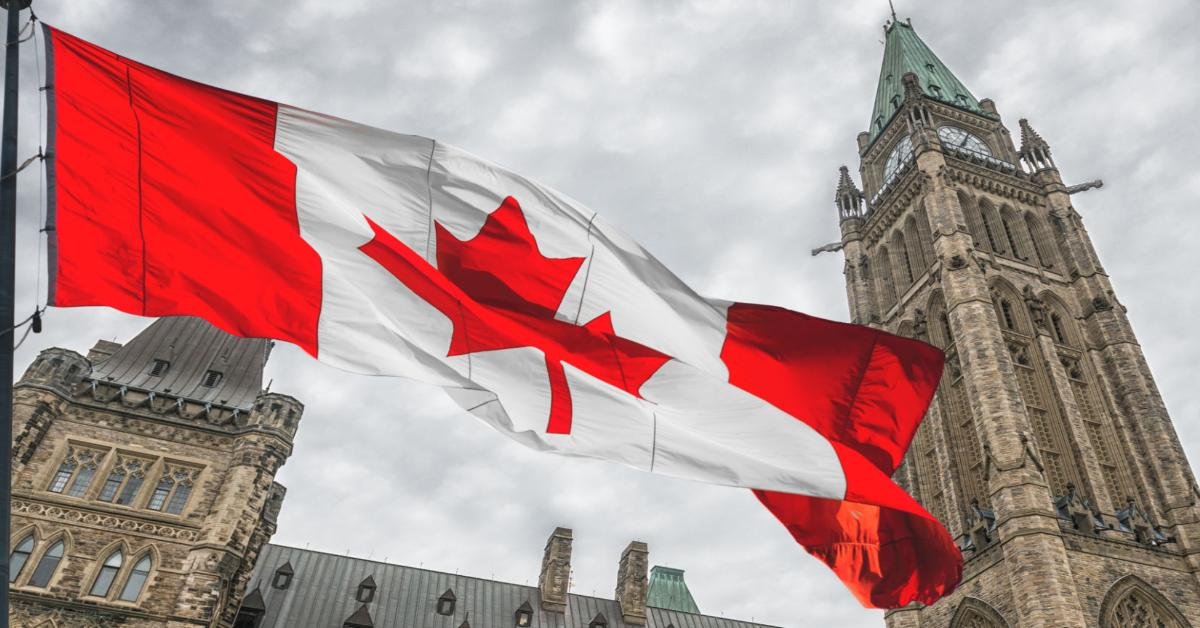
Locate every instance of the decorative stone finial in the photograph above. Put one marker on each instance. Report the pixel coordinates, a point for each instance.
(848, 197)
(1034, 150)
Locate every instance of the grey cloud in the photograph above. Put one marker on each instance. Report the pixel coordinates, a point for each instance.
(711, 132)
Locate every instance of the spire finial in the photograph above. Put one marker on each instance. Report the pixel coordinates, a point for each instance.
(893, 8)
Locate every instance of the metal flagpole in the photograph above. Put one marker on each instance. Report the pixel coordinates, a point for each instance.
(8, 245)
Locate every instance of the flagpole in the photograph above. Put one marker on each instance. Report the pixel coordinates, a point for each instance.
(8, 245)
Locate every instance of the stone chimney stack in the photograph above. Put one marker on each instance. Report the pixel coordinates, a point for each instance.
(555, 578)
(631, 583)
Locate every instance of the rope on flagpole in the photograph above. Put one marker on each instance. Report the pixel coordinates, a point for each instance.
(25, 164)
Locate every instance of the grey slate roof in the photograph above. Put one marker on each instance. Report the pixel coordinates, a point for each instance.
(321, 595)
(192, 347)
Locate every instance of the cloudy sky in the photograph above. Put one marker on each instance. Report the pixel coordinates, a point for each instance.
(711, 132)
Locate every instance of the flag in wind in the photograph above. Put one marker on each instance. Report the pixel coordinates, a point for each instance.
(392, 254)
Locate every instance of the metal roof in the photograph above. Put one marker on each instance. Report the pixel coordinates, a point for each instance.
(192, 347)
(668, 590)
(322, 595)
(904, 52)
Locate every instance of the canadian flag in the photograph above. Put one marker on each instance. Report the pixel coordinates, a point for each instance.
(394, 254)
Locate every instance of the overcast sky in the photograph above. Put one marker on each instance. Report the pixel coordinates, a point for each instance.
(710, 132)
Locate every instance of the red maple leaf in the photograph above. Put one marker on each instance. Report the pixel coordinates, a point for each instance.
(500, 292)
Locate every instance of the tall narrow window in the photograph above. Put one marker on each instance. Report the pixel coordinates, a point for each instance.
(62, 476)
(108, 573)
(124, 481)
(83, 479)
(75, 473)
(137, 580)
(1057, 327)
(173, 489)
(179, 499)
(1007, 314)
(130, 491)
(18, 558)
(1014, 241)
(159, 497)
(47, 565)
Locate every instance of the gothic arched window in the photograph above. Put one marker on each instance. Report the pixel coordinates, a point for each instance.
(914, 241)
(886, 290)
(973, 613)
(173, 489)
(1006, 314)
(136, 580)
(1056, 326)
(108, 574)
(47, 565)
(975, 222)
(904, 263)
(1042, 245)
(1013, 235)
(1132, 602)
(19, 556)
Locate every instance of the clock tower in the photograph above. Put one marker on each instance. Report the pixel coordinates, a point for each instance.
(1048, 451)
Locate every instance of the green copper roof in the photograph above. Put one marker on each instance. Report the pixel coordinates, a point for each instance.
(904, 52)
(669, 591)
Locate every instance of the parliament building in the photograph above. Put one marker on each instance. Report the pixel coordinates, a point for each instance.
(143, 486)
(144, 495)
(1048, 451)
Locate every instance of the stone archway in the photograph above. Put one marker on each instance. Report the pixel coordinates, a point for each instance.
(1132, 603)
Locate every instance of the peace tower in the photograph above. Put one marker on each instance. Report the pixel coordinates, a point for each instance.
(1048, 451)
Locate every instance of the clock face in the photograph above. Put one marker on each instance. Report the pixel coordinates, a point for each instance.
(960, 138)
(900, 156)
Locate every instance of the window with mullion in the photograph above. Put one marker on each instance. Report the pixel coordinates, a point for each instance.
(47, 566)
(112, 485)
(83, 480)
(18, 558)
(159, 497)
(130, 491)
(136, 580)
(179, 498)
(108, 573)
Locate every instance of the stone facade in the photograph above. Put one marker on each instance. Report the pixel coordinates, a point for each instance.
(138, 507)
(1048, 452)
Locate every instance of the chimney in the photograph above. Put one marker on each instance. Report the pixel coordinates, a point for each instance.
(555, 578)
(631, 583)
